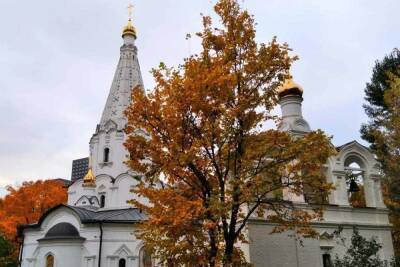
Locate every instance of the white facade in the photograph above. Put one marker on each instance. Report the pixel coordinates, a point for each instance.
(99, 212)
(97, 226)
(119, 242)
(283, 250)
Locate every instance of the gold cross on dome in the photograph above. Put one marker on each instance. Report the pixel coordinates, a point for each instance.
(130, 10)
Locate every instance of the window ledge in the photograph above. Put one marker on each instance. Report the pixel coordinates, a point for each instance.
(109, 163)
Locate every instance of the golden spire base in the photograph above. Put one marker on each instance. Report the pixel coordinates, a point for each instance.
(289, 87)
(89, 180)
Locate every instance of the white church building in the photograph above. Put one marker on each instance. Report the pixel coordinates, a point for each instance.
(96, 227)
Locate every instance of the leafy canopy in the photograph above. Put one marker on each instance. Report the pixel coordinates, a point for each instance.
(387, 143)
(361, 252)
(25, 204)
(376, 107)
(382, 131)
(203, 130)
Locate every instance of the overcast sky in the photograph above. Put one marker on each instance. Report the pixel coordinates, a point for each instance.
(58, 57)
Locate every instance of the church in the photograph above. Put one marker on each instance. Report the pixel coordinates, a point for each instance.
(96, 227)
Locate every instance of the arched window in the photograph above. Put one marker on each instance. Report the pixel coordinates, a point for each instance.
(122, 263)
(355, 170)
(102, 201)
(50, 261)
(145, 259)
(106, 157)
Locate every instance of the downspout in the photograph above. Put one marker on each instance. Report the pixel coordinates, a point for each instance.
(100, 243)
(21, 250)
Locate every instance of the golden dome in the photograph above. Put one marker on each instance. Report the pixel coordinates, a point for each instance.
(89, 178)
(129, 29)
(289, 87)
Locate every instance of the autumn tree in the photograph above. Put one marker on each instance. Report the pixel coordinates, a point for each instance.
(25, 205)
(203, 130)
(387, 147)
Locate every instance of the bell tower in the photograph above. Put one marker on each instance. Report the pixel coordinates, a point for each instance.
(107, 152)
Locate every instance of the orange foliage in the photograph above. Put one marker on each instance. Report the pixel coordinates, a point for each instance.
(203, 130)
(25, 204)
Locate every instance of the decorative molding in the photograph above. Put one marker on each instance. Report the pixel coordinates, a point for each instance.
(103, 164)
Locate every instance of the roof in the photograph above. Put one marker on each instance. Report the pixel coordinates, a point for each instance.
(86, 216)
(130, 215)
(62, 231)
(339, 148)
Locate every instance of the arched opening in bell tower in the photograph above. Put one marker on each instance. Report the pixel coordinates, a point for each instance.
(355, 171)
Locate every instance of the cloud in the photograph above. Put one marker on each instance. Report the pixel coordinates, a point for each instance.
(57, 60)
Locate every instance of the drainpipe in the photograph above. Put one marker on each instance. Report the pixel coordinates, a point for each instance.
(21, 250)
(101, 242)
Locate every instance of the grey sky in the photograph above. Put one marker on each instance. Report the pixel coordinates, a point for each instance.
(58, 57)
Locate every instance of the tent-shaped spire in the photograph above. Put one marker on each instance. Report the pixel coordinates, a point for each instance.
(126, 77)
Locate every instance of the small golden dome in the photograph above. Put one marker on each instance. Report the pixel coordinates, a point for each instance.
(89, 178)
(129, 29)
(289, 87)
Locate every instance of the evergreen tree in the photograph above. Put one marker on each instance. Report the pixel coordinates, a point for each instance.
(387, 142)
(376, 108)
(383, 131)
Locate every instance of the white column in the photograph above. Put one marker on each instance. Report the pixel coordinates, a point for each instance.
(333, 197)
(377, 190)
(114, 197)
(369, 191)
(342, 197)
(111, 261)
(133, 261)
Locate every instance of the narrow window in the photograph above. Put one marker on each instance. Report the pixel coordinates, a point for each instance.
(50, 261)
(106, 154)
(102, 201)
(122, 263)
(326, 260)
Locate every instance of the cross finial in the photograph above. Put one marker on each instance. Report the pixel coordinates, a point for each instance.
(130, 10)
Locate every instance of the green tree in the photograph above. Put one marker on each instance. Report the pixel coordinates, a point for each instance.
(376, 108)
(382, 131)
(6, 253)
(387, 140)
(361, 253)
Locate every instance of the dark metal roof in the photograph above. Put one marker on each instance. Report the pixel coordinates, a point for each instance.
(129, 215)
(62, 231)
